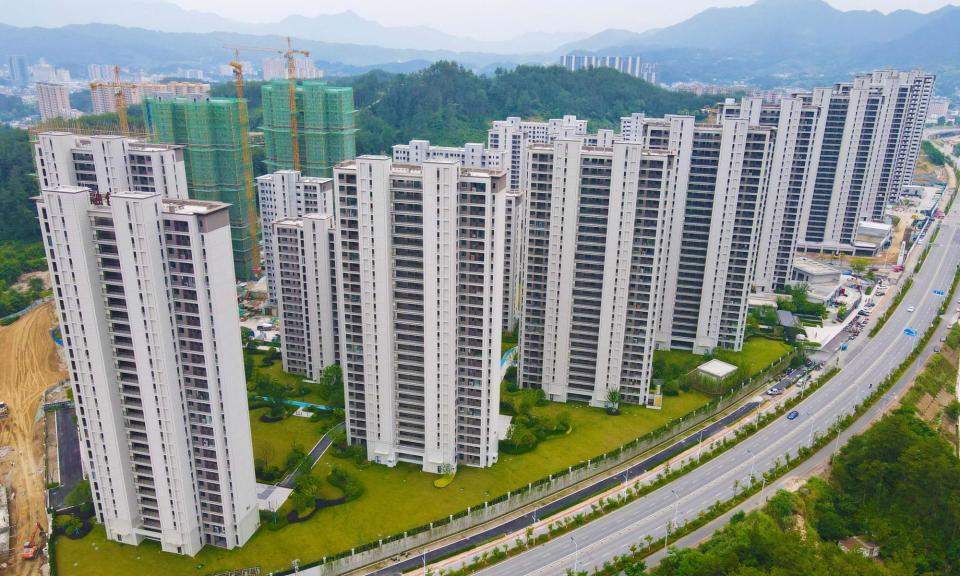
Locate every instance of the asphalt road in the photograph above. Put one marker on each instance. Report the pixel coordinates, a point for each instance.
(68, 455)
(589, 546)
(597, 487)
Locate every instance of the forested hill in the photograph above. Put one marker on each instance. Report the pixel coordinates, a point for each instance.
(18, 217)
(450, 105)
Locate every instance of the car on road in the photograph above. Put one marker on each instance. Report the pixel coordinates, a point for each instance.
(793, 415)
(936, 348)
(911, 309)
(774, 391)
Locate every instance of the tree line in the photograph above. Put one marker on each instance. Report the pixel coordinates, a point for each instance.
(898, 485)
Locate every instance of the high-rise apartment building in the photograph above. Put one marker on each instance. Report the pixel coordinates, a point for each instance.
(100, 72)
(474, 155)
(212, 135)
(513, 135)
(471, 155)
(145, 293)
(104, 99)
(629, 65)
(722, 184)
(420, 286)
(597, 222)
(865, 150)
(304, 272)
(288, 194)
(53, 100)
(795, 121)
(650, 242)
(17, 68)
(276, 69)
(325, 126)
(109, 164)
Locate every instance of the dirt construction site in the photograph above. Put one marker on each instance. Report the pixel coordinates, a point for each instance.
(29, 364)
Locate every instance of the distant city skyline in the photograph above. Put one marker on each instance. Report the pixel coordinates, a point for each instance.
(566, 16)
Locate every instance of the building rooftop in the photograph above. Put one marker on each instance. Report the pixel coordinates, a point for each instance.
(813, 267)
(717, 368)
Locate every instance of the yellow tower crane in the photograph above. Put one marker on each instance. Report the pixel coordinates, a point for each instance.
(289, 53)
(120, 100)
(247, 161)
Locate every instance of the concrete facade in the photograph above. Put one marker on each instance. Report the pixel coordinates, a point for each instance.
(110, 164)
(146, 298)
(420, 285)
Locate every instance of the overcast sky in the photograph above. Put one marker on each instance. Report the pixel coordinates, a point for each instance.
(500, 19)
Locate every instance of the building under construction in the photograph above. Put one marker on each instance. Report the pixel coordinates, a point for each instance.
(324, 124)
(213, 134)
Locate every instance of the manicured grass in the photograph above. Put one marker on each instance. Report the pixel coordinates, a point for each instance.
(400, 498)
(396, 499)
(273, 440)
(757, 354)
(291, 381)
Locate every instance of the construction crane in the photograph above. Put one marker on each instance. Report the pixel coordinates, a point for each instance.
(289, 53)
(120, 100)
(247, 162)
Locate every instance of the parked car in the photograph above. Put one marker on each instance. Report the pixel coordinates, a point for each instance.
(774, 391)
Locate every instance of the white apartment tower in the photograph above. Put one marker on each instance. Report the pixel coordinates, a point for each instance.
(865, 150)
(53, 100)
(721, 186)
(795, 121)
(145, 292)
(304, 272)
(288, 194)
(109, 164)
(597, 229)
(648, 243)
(513, 135)
(420, 285)
(476, 156)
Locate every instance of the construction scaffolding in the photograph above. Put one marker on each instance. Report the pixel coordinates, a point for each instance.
(325, 120)
(212, 131)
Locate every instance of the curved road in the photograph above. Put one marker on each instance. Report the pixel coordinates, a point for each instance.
(592, 544)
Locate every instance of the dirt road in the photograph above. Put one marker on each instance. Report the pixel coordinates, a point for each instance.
(28, 365)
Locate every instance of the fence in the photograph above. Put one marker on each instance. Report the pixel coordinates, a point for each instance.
(399, 544)
(11, 318)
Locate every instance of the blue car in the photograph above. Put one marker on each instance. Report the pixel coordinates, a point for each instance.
(793, 415)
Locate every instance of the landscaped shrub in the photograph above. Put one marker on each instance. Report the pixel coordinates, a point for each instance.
(350, 486)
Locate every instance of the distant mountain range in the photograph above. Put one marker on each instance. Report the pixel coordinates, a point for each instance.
(344, 28)
(769, 43)
(790, 41)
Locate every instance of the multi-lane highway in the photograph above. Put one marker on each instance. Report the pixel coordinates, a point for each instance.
(598, 541)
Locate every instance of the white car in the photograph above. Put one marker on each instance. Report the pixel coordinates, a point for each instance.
(911, 309)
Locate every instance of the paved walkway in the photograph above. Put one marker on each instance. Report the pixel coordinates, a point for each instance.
(315, 454)
(68, 456)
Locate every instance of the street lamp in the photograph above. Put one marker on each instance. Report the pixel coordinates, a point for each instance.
(576, 554)
(700, 445)
(676, 506)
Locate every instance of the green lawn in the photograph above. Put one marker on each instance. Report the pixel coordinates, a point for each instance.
(396, 499)
(292, 381)
(273, 440)
(757, 354)
(400, 498)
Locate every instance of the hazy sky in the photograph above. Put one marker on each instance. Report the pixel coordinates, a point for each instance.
(499, 19)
